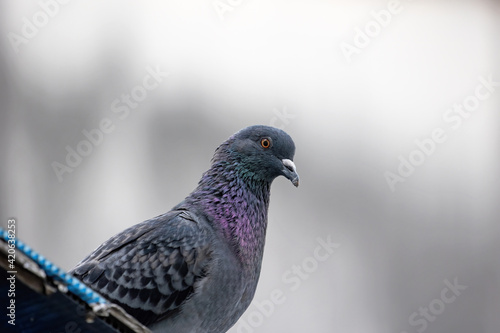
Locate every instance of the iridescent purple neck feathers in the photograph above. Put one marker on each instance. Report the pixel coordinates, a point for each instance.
(237, 203)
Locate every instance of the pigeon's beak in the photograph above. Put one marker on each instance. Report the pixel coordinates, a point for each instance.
(290, 171)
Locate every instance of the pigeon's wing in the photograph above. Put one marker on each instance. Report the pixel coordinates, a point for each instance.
(152, 268)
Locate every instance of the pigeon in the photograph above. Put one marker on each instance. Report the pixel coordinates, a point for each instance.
(195, 268)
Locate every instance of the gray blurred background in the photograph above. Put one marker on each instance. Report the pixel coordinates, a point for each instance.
(66, 67)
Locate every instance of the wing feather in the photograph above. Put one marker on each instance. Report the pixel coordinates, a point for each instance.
(152, 268)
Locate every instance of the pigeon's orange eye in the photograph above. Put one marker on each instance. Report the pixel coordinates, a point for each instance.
(265, 143)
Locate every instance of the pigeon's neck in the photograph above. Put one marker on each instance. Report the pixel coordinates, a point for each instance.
(238, 208)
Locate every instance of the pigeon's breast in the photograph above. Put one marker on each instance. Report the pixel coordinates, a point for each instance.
(220, 298)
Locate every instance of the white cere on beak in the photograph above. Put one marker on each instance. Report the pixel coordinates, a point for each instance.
(289, 165)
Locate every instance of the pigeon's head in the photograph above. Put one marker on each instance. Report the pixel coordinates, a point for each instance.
(262, 153)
